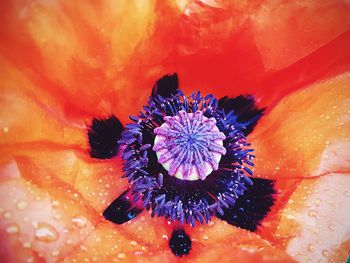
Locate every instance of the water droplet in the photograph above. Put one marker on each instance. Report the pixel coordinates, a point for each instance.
(27, 245)
(318, 202)
(12, 229)
(83, 248)
(313, 213)
(325, 253)
(347, 193)
(46, 233)
(311, 247)
(331, 226)
(69, 241)
(57, 216)
(121, 255)
(165, 237)
(55, 253)
(290, 216)
(211, 223)
(55, 203)
(7, 215)
(205, 237)
(21, 205)
(79, 221)
(133, 243)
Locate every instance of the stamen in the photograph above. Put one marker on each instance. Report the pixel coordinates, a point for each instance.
(189, 145)
(180, 243)
(192, 138)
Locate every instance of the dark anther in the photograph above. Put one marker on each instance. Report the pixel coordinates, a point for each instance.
(180, 243)
(121, 210)
(166, 86)
(252, 207)
(103, 137)
(245, 109)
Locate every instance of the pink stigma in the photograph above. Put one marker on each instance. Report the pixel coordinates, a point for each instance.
(189, 145)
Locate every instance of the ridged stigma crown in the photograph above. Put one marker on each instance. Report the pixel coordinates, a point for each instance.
(189, 145)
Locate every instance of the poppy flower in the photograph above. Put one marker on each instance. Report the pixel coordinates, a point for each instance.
(72, 75)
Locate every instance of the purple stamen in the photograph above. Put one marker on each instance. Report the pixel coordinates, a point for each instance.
(189, 145)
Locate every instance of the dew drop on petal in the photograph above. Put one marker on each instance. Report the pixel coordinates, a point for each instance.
(318, 202)
(133, 243)
(325, 253)
(55, 253)
(46, 233)
(311, 247)
(7, 215)
(55, 203)
(27, 245)
(21, 205)
(121, 255)
(12, 229)
(57, 216)
(331, 226)
(79, 221)
(313, 213)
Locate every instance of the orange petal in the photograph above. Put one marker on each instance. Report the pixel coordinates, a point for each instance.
(26, 118)
(220, 240)
(314, 225)
(111, 244)
(295, 29)
(307, 133)
(84, 58)
(98, 182)
(41, 222)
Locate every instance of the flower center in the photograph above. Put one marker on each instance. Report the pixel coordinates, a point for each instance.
(189, 145)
